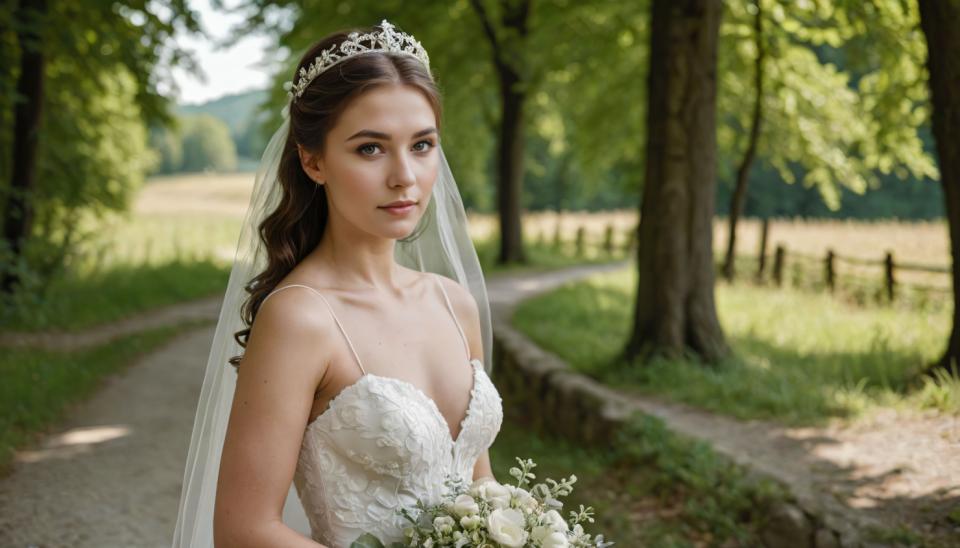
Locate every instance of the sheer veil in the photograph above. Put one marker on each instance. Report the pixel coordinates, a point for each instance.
(444, 247)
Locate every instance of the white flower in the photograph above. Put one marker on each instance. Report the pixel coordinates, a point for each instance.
(540, 532)
(555, 521)
(428, 543)
(443, 524)
(464, 505)
(475, 486)
(555, 540)
(497, 495)
(470, 522)
(523, 498)
(506, 526)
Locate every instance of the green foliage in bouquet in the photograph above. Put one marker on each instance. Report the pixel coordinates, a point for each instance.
(491, 515)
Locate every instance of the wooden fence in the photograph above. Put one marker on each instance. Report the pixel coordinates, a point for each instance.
(614, 240)
(888, 267)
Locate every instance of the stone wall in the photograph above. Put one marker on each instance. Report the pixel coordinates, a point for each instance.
(550, 397)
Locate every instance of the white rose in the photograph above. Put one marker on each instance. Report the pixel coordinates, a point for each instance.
(497, 495)
(540, 532)
(464, 505)
(444, 524)
(506, 526)
(555, 521)
(555, 540)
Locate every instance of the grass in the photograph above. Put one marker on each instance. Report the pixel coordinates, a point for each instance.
(78, 301)
(652, 488)
(799, 357)
(38, 386)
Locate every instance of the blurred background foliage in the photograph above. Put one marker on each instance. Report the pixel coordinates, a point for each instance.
(845, 132)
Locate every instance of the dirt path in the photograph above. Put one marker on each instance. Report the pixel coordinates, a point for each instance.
(111, 475)
(206, 309)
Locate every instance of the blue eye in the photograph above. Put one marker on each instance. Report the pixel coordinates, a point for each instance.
(363, 147)
(424, 149)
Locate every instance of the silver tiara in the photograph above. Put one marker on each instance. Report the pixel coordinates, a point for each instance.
(388, 39)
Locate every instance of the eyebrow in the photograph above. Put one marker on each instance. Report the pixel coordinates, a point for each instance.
(386, 137)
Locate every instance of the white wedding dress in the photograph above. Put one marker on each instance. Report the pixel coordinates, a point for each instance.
(382, 443)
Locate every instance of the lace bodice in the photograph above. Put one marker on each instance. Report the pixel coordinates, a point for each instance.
(382, 443)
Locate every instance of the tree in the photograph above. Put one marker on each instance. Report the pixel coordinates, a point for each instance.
(940, 21)
(743, 170)
(97, 63)
(675, 313)
(507, 35)
(841, 105)
(18, 213)
(207, 145)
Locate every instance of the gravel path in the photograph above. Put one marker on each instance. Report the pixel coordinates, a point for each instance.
(101, 334)
(111, 474)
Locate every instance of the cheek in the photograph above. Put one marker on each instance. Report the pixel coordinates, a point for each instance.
(430, 172)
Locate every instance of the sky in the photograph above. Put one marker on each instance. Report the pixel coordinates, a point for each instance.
(228, 71)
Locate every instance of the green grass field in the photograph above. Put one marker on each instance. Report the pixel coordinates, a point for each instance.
(800, 357)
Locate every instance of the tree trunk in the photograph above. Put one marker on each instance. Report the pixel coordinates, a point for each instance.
(510, 169)
(743, 171)
(940, 21)
(510, 147)
(675, 314)
(18, 214)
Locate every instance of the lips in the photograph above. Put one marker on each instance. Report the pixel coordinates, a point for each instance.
(399, 203)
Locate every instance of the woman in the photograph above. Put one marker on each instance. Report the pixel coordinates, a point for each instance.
(365, 323)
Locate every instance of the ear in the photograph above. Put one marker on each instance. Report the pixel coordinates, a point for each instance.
(312, 164)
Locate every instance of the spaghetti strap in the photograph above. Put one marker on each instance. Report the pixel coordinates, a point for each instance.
(342, 330)
(450, 308)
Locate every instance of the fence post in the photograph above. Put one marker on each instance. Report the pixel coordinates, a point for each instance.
(764, 229)
(608, 240)
(830, 274)
(888, 266)
(580, 237)
(556, 236)
(778, 265)
(631, 240)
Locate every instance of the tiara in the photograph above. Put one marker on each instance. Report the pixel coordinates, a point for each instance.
(388, 39)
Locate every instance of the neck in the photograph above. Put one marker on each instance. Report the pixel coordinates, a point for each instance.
(360, 260)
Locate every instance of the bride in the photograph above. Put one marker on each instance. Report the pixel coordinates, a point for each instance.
(349, 373)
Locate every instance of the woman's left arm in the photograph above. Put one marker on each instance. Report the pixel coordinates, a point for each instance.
(482, 469)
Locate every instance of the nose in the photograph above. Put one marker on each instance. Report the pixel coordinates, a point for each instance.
(403, 173)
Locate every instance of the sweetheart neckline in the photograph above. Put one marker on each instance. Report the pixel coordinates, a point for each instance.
(431, 402)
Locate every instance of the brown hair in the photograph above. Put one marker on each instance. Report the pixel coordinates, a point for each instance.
(296, 226)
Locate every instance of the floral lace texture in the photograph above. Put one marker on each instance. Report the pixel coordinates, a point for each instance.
(382, 443)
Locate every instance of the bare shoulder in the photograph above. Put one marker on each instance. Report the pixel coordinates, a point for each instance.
(286, 357)
(467, 311)
(293, 328)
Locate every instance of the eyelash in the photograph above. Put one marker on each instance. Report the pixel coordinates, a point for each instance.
(362, 147)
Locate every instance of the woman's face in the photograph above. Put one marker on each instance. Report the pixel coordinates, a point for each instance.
(383, 149)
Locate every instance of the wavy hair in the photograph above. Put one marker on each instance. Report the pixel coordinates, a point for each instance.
(296, 226)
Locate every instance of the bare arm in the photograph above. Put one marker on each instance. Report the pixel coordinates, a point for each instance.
(284, 361)
(468, 313)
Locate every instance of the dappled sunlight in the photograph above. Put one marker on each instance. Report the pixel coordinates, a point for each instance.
(798, 356)
(73, 442)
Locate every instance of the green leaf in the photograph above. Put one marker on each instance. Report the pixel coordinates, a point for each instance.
(367, 540)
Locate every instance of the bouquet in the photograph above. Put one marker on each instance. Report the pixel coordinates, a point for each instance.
(490, 514)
